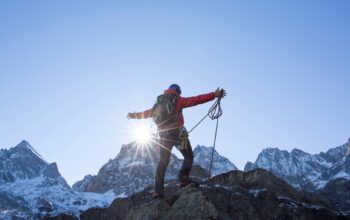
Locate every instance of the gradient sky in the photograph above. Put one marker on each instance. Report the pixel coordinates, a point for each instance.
(71, 70)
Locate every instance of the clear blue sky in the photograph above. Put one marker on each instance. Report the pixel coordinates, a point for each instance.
(71, 70)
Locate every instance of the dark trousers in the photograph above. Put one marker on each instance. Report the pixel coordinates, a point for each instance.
(168, 139)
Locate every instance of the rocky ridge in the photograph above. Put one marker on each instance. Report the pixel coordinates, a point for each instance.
(232, 195)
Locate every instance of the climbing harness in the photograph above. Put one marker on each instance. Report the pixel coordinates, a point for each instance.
(183, 138)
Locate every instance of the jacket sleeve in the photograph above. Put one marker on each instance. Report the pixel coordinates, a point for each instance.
(196, 100)
(144, 114)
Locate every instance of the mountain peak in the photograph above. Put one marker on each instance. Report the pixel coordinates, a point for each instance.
(299, 152)
(203, 157)
(25, 145)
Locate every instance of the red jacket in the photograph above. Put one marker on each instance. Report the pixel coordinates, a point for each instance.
(181, 103)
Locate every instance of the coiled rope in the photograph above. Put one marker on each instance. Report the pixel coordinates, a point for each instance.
(214, 113)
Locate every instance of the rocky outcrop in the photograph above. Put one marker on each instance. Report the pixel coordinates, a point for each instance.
(234, 195)
(337, 192)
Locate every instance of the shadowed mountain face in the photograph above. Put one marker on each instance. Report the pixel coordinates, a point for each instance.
(234, 195)
(303, 170)
(337, 192)
(134, 169)
(31, 188)
(23, 162)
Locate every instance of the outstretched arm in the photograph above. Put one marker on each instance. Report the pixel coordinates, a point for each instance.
(196, 100)
(140, 115)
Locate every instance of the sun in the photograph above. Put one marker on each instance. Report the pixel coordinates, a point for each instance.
(142, 134)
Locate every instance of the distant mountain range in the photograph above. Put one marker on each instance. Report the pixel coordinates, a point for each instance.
(134, 169)
(303, 170)
(31, 188)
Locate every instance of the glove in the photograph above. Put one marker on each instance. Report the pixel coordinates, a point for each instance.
(220, 93)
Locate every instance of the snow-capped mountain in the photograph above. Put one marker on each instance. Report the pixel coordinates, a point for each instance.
(129, 172)
(340, 158)
(32, 188)
(304, 170)
(202, 157)
(134, 168)
(23, 162)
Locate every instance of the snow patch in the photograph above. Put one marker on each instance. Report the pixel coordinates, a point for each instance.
(341, 174)
(122, 195)
(256, 192)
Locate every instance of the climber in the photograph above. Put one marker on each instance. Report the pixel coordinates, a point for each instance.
(167, 114)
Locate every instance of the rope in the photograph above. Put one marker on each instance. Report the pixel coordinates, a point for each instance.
(212, 153)
(214, 112)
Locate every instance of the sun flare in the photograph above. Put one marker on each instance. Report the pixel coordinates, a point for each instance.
(142, 134)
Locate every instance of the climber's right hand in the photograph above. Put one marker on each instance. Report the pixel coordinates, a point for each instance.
(220, 93)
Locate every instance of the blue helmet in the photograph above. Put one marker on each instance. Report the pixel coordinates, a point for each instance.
(176, 88)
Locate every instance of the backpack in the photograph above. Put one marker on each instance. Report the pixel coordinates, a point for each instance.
(164, 111)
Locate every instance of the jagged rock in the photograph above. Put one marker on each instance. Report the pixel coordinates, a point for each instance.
(153, 210)
(233, 195)
(51, 171)
(199, 172)
(44, 205)
(249, 166)
(186, 203)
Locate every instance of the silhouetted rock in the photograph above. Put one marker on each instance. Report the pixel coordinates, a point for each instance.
(233, 195)
(63, 216)
(337, 192)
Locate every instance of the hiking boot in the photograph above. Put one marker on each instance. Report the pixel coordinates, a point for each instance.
(158, 195)
(187, 181)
